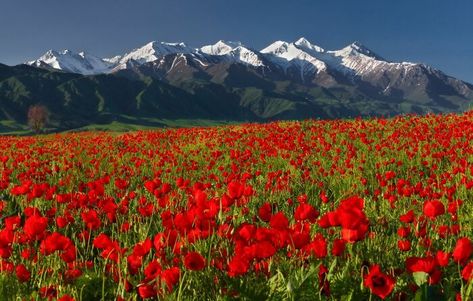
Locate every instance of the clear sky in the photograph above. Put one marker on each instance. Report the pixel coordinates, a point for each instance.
(436, 32)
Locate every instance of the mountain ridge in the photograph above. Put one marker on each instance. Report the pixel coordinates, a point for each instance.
(225, 81)
(153, 50)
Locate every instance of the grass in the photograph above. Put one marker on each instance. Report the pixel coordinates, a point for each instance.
(8, 127)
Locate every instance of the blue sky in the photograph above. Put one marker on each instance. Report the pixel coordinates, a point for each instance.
(436, 32)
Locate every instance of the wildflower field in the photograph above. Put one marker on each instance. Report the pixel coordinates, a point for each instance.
(357, 209)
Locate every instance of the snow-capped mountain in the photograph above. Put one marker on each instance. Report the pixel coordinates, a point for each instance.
(229, 81)
(301, 55)
(299, 61)
(354, 59)
(153, 51)
(288, 55)
(69, 61)
(359, 60)
(220, 48)
(235, 52)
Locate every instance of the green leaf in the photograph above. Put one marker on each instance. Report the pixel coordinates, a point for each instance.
(420, 278)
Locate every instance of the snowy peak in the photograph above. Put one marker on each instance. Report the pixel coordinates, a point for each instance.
(246, 56)
(303, 43)
(291, 55)
(356, 48)
(301, 55)
(220, 48)
(233, 51)
(70, 61)
(153, 50)
(277, 48)
(352, 60)
(48, 55)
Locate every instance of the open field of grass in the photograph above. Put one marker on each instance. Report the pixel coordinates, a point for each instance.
(8, 127)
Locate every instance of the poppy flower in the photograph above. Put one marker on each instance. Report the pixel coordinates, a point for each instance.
(324, 197)
(134, 263)
(467, 272)
(194, 261)
(318, 246)
(338, 247)
(300, 239)
(22, 273)
(324, 284)
(263, 249)
(35, 226)
(279, 221)
(102, 241)
(265, 212)
(379, 283)
(463, 249)
(403, 232)
(49, 292)
(91, 219)
(147, 291)
(408, 217)
(305, 212)
(433, 209)
(238, 266)
(171, 277)
(235, 189)
(421, 264)
(143, 248)
(66, 298)
(354, 235)
(404, 245)
(152, 270)
(442, 258)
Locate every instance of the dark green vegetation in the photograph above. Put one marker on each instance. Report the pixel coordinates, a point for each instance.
(225, 93)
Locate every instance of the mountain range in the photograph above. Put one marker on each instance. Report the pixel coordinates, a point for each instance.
(225, 81)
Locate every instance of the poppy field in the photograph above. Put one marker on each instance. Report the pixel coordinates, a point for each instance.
(362, 209)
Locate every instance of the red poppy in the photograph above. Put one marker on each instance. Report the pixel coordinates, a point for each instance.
(171, 277)
(433, 209)
(265, 212)
(403, 232)
(66, 298)
(153, 270)
(279, 221)
(318, 246)
(264, 249)
(338, 247)
(300, 239)
(379, 283)
(134, 263)
(102, 241)
(235, 189)
(305, 212)
(91, 219)
(49, 292)
(463, 249)
(443, 258)
(194, 261)
(324, 284)
(408, 217)
(467, 272)
(404, 245)
(143, 248)
(147, 291)
(238, 266)
(421, 264)
(35, 226)
(22, 273)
